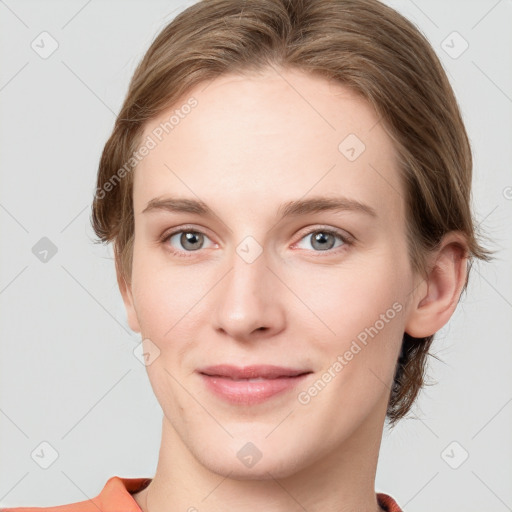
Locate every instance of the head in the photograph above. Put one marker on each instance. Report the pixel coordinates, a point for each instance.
(239, 111)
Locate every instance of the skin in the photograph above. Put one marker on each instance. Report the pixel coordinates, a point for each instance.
(251, 144)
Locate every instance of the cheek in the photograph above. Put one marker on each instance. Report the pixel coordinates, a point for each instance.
(335, 302)
(349, 298)
(362, 310)
(165, 293)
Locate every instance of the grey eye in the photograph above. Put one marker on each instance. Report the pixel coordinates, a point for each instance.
(323, 240)
(189, 240)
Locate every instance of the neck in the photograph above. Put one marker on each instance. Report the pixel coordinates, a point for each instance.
(340, 480)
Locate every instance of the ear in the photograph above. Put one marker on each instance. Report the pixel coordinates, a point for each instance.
(436, 298)
(126, 293)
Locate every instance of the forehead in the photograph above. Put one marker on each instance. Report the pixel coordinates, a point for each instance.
(276, 135)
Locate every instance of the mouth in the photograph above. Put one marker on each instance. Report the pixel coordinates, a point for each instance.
(255, 372)
(251, 385)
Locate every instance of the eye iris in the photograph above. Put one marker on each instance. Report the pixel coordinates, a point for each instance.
(188, 238)
(322, 237)
(192, 240)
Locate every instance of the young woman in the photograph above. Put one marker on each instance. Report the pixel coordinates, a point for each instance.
(287, 188)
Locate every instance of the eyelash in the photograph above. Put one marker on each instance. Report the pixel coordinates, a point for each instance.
(345, 238)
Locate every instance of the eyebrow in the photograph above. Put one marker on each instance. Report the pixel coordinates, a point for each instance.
(294, 208)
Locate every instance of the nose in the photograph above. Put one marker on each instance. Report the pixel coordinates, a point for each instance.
(250, 301)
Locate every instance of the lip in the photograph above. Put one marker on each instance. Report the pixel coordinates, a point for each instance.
(232, 383)
(264, 371)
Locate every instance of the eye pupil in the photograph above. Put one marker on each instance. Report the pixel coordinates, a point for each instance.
(321, 240)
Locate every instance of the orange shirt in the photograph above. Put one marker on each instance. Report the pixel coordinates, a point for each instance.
(116, 496)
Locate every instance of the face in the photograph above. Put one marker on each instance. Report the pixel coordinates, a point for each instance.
(294, 256)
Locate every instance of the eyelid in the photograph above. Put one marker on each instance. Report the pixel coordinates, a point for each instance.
(347, 238)
(179, 229)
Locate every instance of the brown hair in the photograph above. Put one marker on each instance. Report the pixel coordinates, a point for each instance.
(361, 44)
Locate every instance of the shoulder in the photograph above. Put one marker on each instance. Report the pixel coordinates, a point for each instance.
(387, 503)
(115, 496)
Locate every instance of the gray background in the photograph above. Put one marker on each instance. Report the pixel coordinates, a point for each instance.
(68, 373)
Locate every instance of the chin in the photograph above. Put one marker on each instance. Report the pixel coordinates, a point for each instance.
(246, 460)
(263, 470)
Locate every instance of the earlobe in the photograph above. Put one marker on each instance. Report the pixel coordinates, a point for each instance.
(436, 299)
(126, 293)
